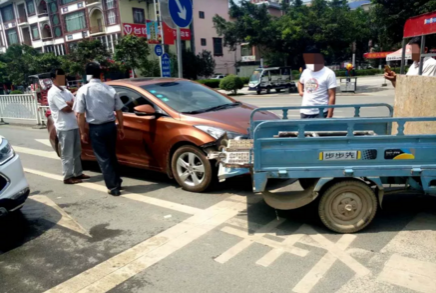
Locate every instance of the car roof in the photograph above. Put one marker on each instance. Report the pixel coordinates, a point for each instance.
(143, 81)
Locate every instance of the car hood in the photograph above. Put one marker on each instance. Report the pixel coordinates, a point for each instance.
(235, 119)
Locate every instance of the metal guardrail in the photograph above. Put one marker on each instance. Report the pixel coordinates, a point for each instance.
(19, 107)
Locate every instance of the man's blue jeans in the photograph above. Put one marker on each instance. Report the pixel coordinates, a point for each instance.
(103, 140)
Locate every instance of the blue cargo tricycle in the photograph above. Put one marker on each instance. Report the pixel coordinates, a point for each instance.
(344, 164)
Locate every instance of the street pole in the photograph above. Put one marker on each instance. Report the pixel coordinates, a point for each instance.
(179, 53)
(157, 13)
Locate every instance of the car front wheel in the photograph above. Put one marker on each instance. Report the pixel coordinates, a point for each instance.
(191, 169)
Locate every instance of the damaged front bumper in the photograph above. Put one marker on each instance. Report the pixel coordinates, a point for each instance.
(233, 157)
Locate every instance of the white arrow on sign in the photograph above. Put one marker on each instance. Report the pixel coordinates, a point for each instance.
(182, 12)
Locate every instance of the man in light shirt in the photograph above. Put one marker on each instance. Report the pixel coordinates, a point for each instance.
(428, 68)
(317, 85)
(60, 101)
(99, 101)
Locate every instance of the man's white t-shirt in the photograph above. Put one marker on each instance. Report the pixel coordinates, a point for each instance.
(57, 99)
(428, 68)
(316, 86)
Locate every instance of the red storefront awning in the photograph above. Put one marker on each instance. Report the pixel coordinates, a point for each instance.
(424, 24)
(376, 55)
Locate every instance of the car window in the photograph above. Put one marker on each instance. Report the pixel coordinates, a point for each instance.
(131, 99)
(186, 96)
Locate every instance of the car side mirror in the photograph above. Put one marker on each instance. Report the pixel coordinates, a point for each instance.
(144, 110)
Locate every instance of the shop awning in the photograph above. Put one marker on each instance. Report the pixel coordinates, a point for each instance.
(395, 56)
(376, 55)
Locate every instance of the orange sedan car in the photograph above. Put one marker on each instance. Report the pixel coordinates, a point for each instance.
(171, 125)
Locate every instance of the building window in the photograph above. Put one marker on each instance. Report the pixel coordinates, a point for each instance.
(30, 8)
(8, 14)
(12, 37)
(111, 17)
(201, 14)
(217, 46)
(138, 15)
(75, 21)
(35, 32)
(203, 42)
(110, 4)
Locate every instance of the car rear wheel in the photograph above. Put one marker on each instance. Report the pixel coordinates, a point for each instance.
(191, 169)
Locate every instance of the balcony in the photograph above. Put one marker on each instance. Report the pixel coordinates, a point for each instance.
(97, 30)
(22, 20)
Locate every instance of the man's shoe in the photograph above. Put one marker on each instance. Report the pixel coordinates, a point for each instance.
(114, 192)
(72, 181)
(83, 177)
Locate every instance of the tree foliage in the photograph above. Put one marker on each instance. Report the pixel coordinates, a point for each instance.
(388, 19)
(232, 83)
(86, 51)
(329, 24)
(194, 66)
(132, 51)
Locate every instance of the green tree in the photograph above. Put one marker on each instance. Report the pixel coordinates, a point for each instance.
(46, 62)
(19, 60)
(205, 63)
(389, 18)
(132, 51)
(330, 25)
(86, 51)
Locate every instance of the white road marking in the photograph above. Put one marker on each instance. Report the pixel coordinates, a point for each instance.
(353, 264)
(274, 254)
(134, 196)
(65, 221)
(410, 273)
(44, 154)
(320, 269)
(44, 142)
(243, 244)
(118, 269)
(259, 239)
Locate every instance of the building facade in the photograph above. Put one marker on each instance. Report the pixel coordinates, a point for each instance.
(57, 25)
(206, 37)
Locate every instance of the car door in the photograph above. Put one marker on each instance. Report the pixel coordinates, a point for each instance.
(134, 149)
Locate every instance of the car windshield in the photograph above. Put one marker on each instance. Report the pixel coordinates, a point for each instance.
(255, 76)
(188, 97)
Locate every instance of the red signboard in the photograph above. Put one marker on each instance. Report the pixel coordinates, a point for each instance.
(420, 25)
(140, 30)
(376, 55)
(170, 35)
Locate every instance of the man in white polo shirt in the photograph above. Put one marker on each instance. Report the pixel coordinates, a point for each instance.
(428, 68)
(61, 102)
(317, 85)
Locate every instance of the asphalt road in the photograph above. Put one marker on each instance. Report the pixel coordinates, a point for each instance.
(159, 238)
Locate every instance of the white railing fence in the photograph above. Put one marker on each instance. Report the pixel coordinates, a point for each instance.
(41, 111)
(19, 107)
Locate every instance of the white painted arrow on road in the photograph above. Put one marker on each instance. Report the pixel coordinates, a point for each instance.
(65, 220)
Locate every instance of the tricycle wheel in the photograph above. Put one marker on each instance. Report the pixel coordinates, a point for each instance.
(347, 206)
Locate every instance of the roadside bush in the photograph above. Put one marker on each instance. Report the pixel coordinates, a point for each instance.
(212, 83)
(16, 92)
(245, 80)
(232, 83)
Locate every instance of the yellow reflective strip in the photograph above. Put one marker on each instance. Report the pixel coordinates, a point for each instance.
(359, 155)
(320, 156)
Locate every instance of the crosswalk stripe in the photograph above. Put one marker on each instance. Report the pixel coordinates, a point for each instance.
(39, 153)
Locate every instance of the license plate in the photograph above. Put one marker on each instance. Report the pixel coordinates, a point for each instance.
(339, 156)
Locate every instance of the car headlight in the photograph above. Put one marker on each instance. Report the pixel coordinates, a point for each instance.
(6, 152)
(218, 132)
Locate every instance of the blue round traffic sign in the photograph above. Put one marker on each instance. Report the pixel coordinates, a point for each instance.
(158, 50)
(181, 12)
